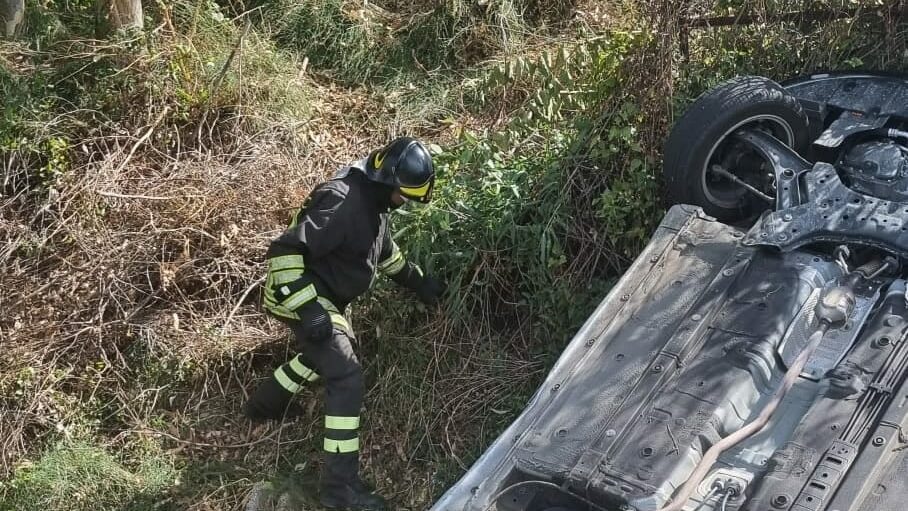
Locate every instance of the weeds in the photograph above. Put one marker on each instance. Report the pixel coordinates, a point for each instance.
(144, 177)
(363, 45)
(180, 82)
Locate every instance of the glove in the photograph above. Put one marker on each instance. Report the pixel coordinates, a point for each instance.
(317, 326)
(429, 291)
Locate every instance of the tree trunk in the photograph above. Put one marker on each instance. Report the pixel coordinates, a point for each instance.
(125, 14)
(11, 14)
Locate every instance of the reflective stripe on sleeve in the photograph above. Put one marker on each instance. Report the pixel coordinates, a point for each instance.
(330, 307)
(337, 319)
(394, 263)
(279, 277)
(287, 262)
(299, 298)
(285, 381)
(304, 372)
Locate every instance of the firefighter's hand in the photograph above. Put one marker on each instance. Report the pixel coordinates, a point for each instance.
(316, 322)
(430, 290)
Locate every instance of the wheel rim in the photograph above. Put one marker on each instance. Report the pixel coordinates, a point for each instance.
(723, 192)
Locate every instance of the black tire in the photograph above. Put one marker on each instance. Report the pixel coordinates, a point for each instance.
(699, 135)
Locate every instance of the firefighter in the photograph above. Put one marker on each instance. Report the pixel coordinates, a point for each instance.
(330, 254)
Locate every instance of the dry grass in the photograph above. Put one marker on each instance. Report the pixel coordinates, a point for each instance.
(130, 298)
(129, 288)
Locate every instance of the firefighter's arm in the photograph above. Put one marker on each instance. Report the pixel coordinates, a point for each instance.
(393, 264)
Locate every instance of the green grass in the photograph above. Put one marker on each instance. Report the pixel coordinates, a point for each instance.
(76, 476)
(369, 46)
(322, 32)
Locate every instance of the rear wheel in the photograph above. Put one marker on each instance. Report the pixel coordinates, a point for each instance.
(706, 165)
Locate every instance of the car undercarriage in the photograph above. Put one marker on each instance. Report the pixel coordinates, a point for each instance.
(754, 356)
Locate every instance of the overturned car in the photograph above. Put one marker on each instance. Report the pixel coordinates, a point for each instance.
(754, 356)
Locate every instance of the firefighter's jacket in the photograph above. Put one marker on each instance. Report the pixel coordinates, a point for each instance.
(334, 247)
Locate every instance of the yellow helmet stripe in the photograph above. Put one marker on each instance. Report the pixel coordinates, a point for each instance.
(416, 191)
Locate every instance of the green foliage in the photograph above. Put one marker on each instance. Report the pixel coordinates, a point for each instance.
(630, 207)
(784, 49)
(591, 84)
(495, 228)
(198, 75)
(507, 209)
(559, 82)
(456, 35)
(75, 476)
(55, 148)
(49, 21)
(330, 38)
(75, 89)
(361, 45)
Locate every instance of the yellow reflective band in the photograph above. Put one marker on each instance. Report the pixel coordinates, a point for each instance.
(297, 367)
(340, 322)
(396, 267)
(342, 446)
(393, 258)
(415, 191)
(282, 312)
(334, 422)
(285, 381)
(287, 262)
(279, 277)
(296, 300)
(337, 318)
(330, 307)
(272, 306)
(271, 302)
(269, 295)
(379, 159)
(393, 264)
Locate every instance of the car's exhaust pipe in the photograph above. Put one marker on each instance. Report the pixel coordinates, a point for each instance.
(832, 311)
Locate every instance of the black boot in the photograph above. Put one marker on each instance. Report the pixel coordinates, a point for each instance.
(271, 401)
(341, 487)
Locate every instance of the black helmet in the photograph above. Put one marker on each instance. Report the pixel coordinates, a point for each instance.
(404, 164)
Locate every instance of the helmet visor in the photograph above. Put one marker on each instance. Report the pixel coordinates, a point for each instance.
(422, 193)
